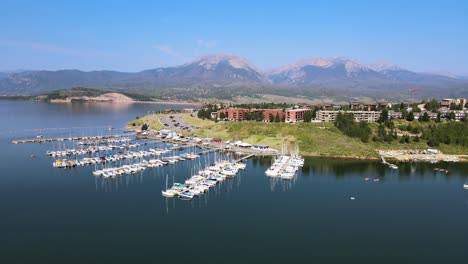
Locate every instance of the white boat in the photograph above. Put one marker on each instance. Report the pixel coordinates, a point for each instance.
(127, 170)
(465, 186)
(272, 172)
(209, 183)
(194, 180)
(196, 191)
(240, 166)
(203, 187)
(186, 195)
(169, 193)
(287, 175)
(228, 173)
(105, 174)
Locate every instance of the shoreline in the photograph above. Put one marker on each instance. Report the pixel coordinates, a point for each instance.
(78, 100)
(64, 101)
(461, 158)
(375, 156)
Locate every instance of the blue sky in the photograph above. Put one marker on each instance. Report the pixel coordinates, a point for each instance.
(136, 35)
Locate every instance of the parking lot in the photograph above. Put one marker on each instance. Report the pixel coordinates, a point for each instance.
(175, 121)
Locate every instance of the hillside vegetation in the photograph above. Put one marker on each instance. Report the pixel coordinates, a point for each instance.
(88, 92)
(313, 139)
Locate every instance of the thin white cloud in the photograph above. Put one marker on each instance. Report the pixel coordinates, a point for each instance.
(50, 48)
(169, 50)
(206, 44)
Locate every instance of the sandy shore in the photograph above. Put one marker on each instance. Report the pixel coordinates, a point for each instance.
(404, 156)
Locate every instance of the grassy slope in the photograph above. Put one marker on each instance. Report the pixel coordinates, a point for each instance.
(152, 121)
(194, 121)
(315, 139)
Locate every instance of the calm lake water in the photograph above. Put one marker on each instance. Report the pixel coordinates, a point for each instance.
(49, 215)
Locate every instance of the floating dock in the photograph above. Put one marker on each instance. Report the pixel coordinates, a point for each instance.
(44, 140)
(392, 166)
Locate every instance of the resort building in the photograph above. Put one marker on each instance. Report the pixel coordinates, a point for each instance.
(460, 115)
(367, 106)
(239, 114)
(448, 101)
(366, 116)
(295, 115)
(395, 115)
(270, 114)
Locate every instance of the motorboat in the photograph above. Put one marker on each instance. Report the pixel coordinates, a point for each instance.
(169, 193)
(272, 172)
(186, 195)
(228, 173)
(240, 166)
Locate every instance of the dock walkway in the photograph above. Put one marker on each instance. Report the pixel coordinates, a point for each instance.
(44, 140)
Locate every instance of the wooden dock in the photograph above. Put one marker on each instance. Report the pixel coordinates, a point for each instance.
(45, 140)
(393, 166)
(246, 157)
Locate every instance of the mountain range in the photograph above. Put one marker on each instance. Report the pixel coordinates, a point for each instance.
(225, 72)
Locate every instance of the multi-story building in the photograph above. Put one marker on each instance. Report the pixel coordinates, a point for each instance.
(460, 114)
(367, 106)
(295, 115)
(448, 101)
(239, 114)
(366, 116)
(395, 115)
(234, 113)
(270, 114)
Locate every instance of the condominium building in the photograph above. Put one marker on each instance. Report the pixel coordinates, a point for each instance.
(295, 115)
(366, 116)
(239, 114)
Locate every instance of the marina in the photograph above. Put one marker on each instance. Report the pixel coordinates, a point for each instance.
(72, 208)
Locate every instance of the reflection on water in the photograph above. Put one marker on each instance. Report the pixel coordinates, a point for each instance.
(405, 172)
(51, 212)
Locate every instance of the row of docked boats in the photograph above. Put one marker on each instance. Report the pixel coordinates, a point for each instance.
(202, 181)
(91, 150)
(104, 141)
(64, 163)
(285, 166)
(140, 166)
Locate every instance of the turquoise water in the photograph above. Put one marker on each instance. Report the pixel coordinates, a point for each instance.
(49, 215)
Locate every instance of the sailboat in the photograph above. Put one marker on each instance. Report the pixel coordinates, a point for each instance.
(168, 192)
